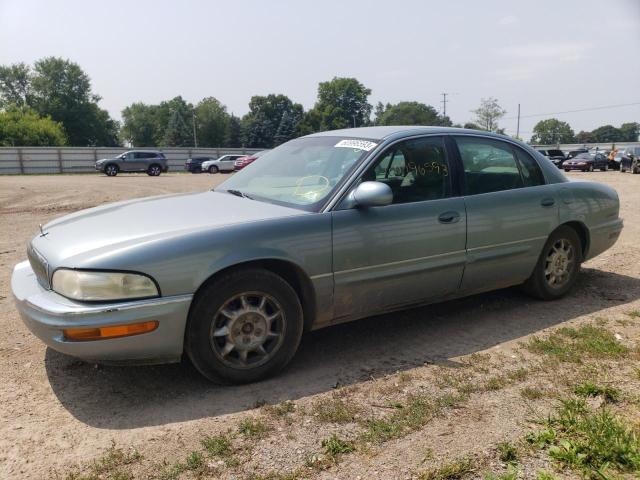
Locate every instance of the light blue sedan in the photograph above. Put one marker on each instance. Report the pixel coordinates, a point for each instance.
(324, 229)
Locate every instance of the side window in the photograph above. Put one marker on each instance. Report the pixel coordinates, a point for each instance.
(531, 173)
(489, 165)
(416, 170)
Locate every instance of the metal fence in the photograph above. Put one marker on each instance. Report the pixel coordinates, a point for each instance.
(591, 146)
(25, 160)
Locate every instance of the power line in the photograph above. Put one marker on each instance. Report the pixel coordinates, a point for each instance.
(604, 107)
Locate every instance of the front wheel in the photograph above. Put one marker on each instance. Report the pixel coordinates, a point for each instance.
(634, 167)
(244, 326)
(111, 170)
(154, 170)
(213, 169)
(558, 265)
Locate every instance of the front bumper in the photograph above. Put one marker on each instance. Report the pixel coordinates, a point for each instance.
(99, 167)
(47, 314)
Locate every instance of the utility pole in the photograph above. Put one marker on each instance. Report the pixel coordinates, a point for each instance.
(354, 121)
(195, 139)
(518, 127)
(444, 104)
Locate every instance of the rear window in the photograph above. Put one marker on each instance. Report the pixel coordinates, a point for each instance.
(556, 153)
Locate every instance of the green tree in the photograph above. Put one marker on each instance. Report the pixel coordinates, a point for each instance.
(342, 103)
(552, 131)
(286, 130)
(412, 113)
(265, 115)
(15, 85)
(23, 127)
(584, 137)
(378, 112)
(488, 114)
(233, 134)
(212, 121)
(630, 132)
(174, 119)
(140, 127)
(471, 126)
(607, 133)
(62, 90)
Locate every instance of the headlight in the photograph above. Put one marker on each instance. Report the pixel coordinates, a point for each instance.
(100, 286)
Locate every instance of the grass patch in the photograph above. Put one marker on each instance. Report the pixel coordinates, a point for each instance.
(407, 418)
(449, 471)
(634, 313)
(588, 389)
(508, 453)
(335, 446)
(109, 466)
(510, 474)
(334, 410)
(253, 428)
(281, 409)
(531, 393)
(589, 441)
(217, 445)
(569, 344)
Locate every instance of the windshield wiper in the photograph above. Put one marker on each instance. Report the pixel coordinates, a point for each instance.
(238, 193)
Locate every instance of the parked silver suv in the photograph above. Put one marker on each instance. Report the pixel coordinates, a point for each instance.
(150, 161)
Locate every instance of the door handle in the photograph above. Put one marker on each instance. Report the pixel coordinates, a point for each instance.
(449, 217)
(547, 202)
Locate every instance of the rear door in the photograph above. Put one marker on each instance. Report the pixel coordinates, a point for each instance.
(226, 163)
(510, 212)
(408, 252)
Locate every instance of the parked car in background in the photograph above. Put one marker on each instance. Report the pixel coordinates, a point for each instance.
(614, 159)
(152, 162)
(573, 153)
(587, 162)
(630, 159)
(331, 227)
(194, 164)
(222, 164)
(556, 156)
(244, 161)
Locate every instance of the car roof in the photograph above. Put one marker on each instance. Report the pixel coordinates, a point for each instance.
(143, 151)
(398, 131)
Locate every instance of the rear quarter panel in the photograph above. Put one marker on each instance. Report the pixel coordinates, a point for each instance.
(595, 206)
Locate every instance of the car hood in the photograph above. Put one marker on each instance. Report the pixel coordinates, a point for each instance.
(122, 225)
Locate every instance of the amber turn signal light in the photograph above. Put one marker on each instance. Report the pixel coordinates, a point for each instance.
(115, 331)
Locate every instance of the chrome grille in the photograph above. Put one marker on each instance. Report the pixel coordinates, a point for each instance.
(39, 266)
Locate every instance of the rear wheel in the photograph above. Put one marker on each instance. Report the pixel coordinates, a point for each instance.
(111, 170)
(558, 265)
(154, 170)
(590, 169)
(634, 167)
(213, 169)
(244, 326)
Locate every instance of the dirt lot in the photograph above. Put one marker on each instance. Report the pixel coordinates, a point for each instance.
(446, 391)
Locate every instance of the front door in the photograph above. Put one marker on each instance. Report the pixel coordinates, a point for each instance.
(409, 252)
(510, 213)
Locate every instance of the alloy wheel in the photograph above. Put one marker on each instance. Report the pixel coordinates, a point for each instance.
(248, 330)
(559, 263)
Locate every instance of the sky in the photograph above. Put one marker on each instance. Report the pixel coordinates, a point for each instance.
(547, 56)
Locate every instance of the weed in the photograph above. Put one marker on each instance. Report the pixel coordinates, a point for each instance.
(508, 452)
(335, 410)
(253, 428)
(281, 409)
(496, 383)
(542, 475)
(194, 461)
(510, 474)
(335, 446)
(450, 471)
(569, 344)
(591, 441)
(531, 393)
(634, 313)
(588, 389)
(218, 445)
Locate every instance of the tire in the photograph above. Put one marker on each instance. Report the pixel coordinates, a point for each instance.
(154, 170)
(603, 169)
(212, 338)
(567, 170)
(111, 170)
(213, 169)
(634, 167)
(590, 168)
(540, 284)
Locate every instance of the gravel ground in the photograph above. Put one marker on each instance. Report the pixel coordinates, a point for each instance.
(59, 414)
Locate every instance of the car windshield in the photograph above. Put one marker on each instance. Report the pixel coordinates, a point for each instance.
(583, 156)
(300, 173)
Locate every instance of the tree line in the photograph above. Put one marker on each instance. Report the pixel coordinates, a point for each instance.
(52, 103)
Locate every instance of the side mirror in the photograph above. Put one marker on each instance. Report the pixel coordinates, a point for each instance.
(123, 156)
(369, 194)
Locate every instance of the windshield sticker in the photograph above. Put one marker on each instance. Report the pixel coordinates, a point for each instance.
(365, 145)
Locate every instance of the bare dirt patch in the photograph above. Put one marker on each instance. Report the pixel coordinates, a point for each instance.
(422, 393)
